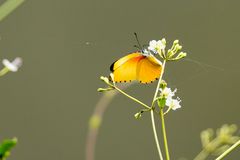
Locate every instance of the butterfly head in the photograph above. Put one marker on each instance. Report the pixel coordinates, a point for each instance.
(146, 52)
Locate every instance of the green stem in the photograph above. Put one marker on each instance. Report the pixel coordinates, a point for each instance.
(228, 150)
(162, 114)
(4, 71)
(202, 155)
(155, 135)
(8, 6)
(96, 121)
(159, 82)
(164, 134)
(131, 97)
(152, 115)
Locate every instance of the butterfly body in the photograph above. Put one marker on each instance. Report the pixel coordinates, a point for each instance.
(136, 66)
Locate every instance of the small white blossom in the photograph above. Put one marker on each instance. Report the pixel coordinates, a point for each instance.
(167, 92)
(157, 46)
(14, 65)
(173, 103)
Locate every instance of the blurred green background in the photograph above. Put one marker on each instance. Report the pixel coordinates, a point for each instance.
(67, 45)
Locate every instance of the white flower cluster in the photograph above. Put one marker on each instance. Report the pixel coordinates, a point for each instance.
(157, 47)
(170, 101)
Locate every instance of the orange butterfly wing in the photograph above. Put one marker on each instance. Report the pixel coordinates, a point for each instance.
(136, 66)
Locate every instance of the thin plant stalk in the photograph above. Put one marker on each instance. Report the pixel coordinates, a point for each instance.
(162, 118)
(235, 145)
(159, 82)
(4, 71)
(155, 135)
(202, 155)
(8, 7)
(162, 115)
(95, 122)
(131, 97)
(152, 113)
(164, 134)
(134, 99)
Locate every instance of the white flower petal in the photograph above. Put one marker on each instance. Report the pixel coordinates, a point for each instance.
(152, 45)
(170, 101)
(160, 45)
(157, 46)
(175, 104)
(167, 92)
(14, 65)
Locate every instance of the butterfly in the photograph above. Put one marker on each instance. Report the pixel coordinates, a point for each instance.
(138, 65)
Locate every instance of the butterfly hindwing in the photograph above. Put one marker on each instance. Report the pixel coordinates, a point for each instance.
(148, 70)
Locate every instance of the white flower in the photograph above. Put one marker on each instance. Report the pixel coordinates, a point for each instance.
(14, 65)
(157, 46)
(167, 92)
(173, 103)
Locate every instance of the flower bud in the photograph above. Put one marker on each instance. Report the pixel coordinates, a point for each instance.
(179, 56)
(104, 89)
(138, 115)
(175, 42)
(105, 79)
(177, 48)
(206, 136)
(164, 41)
(163, 84)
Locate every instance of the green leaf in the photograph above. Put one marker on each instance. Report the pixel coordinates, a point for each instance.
(6, 146)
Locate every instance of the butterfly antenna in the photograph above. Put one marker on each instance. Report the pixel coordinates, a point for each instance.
(136, 46)
(139, 45)
(145, 45)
